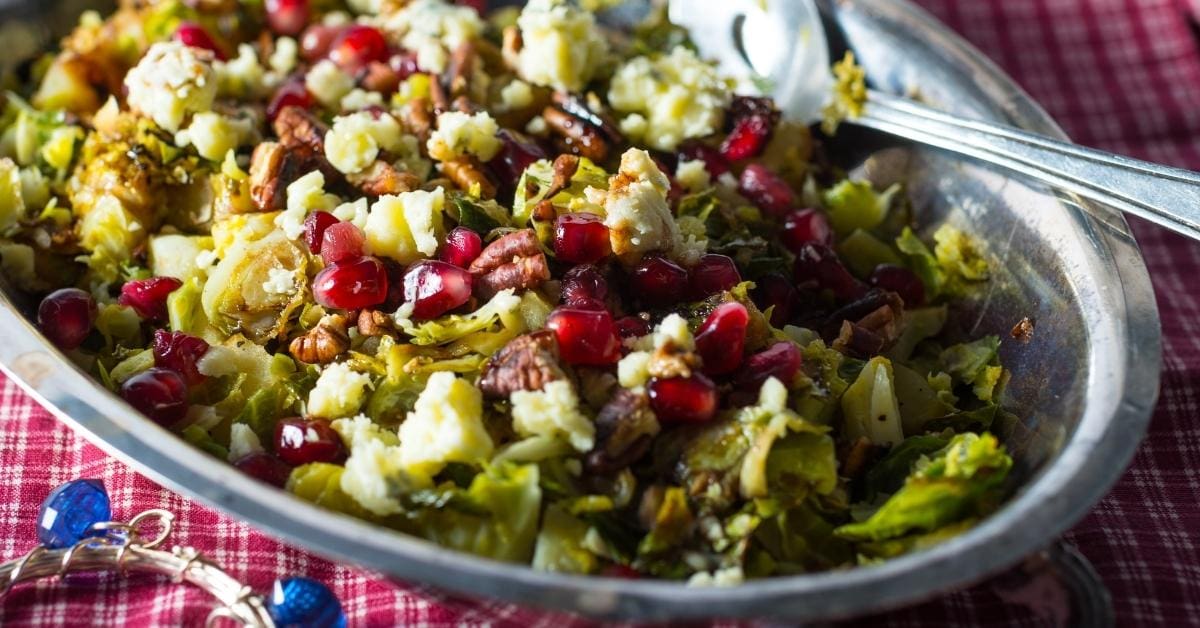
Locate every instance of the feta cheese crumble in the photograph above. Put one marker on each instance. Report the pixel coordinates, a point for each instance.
(516, 95)
(280, 281)
(355, 141)
(679, 95)
(433, 28)
(693, 175)
(406, 227)
(561, 46)
(304, 195)
(328, 83)
(446, 425)
(552, 411)
(242, 442)
(171, 82)
(637, 214)
(460, 134)
(214, 135)
(339, 392)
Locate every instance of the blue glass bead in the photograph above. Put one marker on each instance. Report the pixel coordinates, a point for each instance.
(299, 602)
(70, 510)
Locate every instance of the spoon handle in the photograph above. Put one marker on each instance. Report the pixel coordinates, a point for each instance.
(1167, 196)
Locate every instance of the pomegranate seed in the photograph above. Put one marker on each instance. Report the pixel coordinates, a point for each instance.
(683, 399)
(765, 189)
(585, 337)
(657, 281)
(395, 281)
(180, 352)
(290, 94)
(148, 297)
(517, 152)
(158, 393)
(774, 290)
(721, 338)
(435, 288)
(805, 226)
(357, 46)
(301, 441)
(314, 229)
(748, 138)
(342, 241)
(351, 284)
(714, 161)
(66, 316)
(620, 571)
(712, 274)
(316, 41)
(900, 280)
(404, 65)
(480, 6)
(462, 247)
(193, 35)
(581, 238)
(781, 360)
(632, 327)
(817, 262)
(584, 283)
(287, 17)
(264, 467)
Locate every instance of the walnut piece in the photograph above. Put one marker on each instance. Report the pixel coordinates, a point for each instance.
(625, 426)
(513, 261)
(527, 362)
(323, 343)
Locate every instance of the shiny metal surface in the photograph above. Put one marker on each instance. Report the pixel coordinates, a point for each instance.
(1084, 386)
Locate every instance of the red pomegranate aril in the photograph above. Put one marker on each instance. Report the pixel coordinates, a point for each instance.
(585, 337)
(357, 46)
(583, 283)
(781, 360)
(581, 238)
(900, 280)
(180, 352)
(683, 399)
(148, 297)
(657, 281)
(462, 247)
(287, 17)
(316, 41)
(264, 467)
(66, 317)
(775, 291)
(714, 161)
(748, 138)
(517, 152)
(766, 189)
(818, 263)
(480, 6)
(712, 274)
(721, 338)
(158, 393)
(351, 284)
(314, 229)
(621, 571)
(805, 226)
(395, 281)
(342, 241)
(290, 94)
(435, 288)
(301, 441)
(193, 35)
(632, 327)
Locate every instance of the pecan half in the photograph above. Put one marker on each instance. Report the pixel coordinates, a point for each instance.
(458, 73)
(574, 105)
(527, 362)
(380, 77)
(625, 426)
(297, 127)
(272, 168)
(565, 167)
(465, 172)
(877, 311)
(510, 47)
(514, 261)
(323, 343)
(375, 323)
(576, 136)
(418, 120)
(383, 178)
(857, 341)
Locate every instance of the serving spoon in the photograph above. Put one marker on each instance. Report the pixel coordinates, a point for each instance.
(784, 44)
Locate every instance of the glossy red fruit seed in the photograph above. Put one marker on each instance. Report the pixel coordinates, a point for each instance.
(714, 161)
(290, 94)
(264, 467)
(314, 230)
(357, 46)
(66, 317)
(781, 360)
(632, 327)
(342, 241)
(748, 138)
(902, 281)
(193, 35)
(819, 263)
(712, 274)
(585, 337)
(287, 17)
(148, 297)
(316, 41)
(435, 288)
(158, 393)
(775, 291)
(683, 399)
(301, 441)
(766, 189)
(805, 226)
(583, 283)
(462, 247)
(581, 238)
(621, 571)
(517, 152)
(657, 281)
(480, 6)
(721, 338)
(179, 352)
(351, 284)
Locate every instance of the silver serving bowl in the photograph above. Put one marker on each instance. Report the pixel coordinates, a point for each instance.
(1084, 386)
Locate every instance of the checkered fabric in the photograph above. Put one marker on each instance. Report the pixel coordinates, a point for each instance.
(1122, 75)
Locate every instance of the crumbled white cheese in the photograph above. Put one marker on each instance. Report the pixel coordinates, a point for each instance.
(433, 28)
(634, 369)
(537, 126)
(339, 392)
(283, 58)
(242, 442)
(359, 99)
(561, 45)
(171, 82)
(360, 429)
(638, 216)
(679, 95)
(516, 95)
(304, 195)
(353, 212)
(241, 77)
(694, 240)
(354, 141)
(728, 577)
(693, 175)
(328, 83)
(446, 425)
(280, 281)
(375, 478)
(633, 125)
(460, 134)
(214, 135)
(405, 227)
(552, 411)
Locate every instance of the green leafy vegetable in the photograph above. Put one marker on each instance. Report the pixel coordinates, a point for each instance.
(856, 205)
(560, 544)
(976, 364)
(199, 437)
(863, 252)
(538, 178)
(888, 475)
(869, 407)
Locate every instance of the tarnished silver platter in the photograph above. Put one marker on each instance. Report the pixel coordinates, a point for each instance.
(1084, 386)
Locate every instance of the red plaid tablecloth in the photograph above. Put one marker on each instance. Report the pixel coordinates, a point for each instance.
(1123, 75)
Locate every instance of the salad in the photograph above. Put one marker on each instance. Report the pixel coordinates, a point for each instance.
(507, 281)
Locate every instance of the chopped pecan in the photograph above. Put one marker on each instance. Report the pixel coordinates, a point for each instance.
(857, 341)
(625, 426)
(272, 168)
(877, 311)
(417, 119)
(380, 77)
(458, 72)
(527, 362)
(514, 261)
(465, 172)
(565, 167)
(299, 127)
(855, 457)
(439, 97)
(576, 136)
(375, 323)
(383, 178)
(574, 105)
(1023, 331)
(323, 343)
(510, 47)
